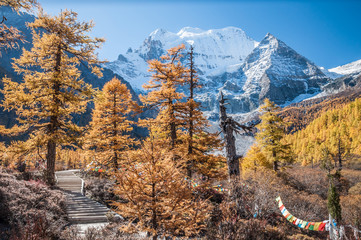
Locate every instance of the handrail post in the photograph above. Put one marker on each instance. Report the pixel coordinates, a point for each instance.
(82, 187)
(56, 179)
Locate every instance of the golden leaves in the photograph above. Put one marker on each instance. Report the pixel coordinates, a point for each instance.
(18, 5)
(110, 126)
(157, 194)
(51, 91)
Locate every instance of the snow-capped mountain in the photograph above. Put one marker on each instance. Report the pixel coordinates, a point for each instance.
(215, 51)
(351, 68)
(345, 77)
(229, 61)
(275, 71)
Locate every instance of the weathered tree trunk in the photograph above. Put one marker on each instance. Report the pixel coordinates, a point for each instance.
(172, 125)
(275, 162)
(173, 134)
(333, 236)
(340, 152)
(115, 161)
(50, 161)
(227, 129)
(54, 124)
(275, 166)
(191, 109)
(115, 132)
(154, 214)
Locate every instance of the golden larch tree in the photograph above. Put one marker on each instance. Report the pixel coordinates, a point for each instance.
(198, 144)
(269, 137)
(110, 127)
(9, 35)
(158, 198)
(168, 75)
(254, 159)
(52, 90)
(19, 4)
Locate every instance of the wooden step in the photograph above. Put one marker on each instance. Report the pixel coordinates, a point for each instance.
(74, 214)
(80, 209)
(88, 219)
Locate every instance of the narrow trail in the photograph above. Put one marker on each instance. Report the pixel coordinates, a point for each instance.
(81, 210)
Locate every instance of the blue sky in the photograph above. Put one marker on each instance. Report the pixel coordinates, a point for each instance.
(326, 32)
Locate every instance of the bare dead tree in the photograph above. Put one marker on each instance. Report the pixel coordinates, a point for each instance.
(229, 126)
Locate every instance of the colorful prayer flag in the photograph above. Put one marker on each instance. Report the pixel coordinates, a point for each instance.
(315, 226)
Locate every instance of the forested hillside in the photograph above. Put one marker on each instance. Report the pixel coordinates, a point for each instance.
(337, 130)
(299, 115)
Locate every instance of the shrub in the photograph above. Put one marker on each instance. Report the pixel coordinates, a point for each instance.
(30, 207)
(101, 190)
(355, 190)
(351, 210)
(310, 180)
(108, 232)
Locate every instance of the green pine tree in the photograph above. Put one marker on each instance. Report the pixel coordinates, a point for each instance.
(333, 203)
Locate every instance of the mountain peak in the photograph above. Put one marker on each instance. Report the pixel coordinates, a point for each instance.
(350, 68)
(270, 36)
(189, 30)
(158, 33)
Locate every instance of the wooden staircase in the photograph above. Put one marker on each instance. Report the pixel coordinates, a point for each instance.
(80, 209)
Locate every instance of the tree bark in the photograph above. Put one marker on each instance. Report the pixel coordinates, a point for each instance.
(340, 152)
(50, 161)
(54, 124)
(115, 132)
(275, 162)
(154, 214)
(173, 126)
(227, 129)
(191, 109)
(275, 166)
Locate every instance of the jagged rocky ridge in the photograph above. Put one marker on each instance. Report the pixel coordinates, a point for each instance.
(229, 61)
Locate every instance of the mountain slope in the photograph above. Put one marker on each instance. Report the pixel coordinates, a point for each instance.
(275, 71)
(299, 115)
(335, 128)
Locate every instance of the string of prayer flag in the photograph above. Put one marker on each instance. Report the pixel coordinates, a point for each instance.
(218, 188)
(315, 226)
